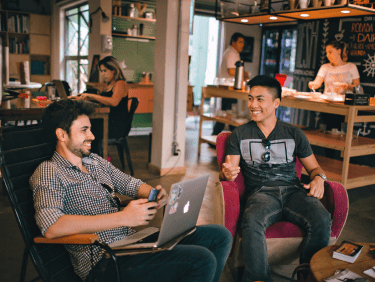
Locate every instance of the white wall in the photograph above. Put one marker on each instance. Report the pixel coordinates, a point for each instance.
(247, 30)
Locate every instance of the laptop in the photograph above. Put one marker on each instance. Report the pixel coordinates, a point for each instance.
(180, 218)
(60, 89)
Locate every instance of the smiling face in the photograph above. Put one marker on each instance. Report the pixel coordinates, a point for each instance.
(239, 44)
(80, 137)
(262, 104)
(333, 55)
(107, 74)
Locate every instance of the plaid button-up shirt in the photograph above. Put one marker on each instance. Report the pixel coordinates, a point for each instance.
(61, 188)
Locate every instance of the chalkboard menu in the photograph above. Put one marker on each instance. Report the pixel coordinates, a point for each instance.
(359, 34)
(313, 37)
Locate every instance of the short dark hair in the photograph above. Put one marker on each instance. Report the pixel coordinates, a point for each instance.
(235, 37)
(268, 82)
(61, 114)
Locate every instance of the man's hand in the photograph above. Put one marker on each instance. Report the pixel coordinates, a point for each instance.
(316, 187)
(138, 212)
(229, 172)
(162, 198)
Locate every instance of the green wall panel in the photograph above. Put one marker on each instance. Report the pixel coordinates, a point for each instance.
(138, 55)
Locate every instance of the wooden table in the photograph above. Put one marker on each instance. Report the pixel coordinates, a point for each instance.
(322, 264)
(19, 110)
(349, 175)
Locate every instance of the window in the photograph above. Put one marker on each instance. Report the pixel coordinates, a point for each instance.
(76, 47)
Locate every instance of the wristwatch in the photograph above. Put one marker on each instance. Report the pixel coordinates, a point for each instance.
(322, 176)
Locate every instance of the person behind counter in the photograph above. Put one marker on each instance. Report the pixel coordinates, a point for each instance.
(337, 71)
(115, 95)
(227, 70)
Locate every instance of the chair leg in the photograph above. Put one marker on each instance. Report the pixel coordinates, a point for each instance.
(126, 148)
(120, 152)
(24, 265)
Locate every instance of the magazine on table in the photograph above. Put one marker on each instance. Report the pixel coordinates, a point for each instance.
(346, 275)
(347, 251)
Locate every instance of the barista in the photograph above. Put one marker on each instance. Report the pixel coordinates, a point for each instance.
(227, 70)
(338, 75)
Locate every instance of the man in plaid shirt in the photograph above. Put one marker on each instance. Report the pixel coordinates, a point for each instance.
(74, 193)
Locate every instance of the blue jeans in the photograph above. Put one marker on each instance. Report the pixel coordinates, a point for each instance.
(200, 256)
(281, 203)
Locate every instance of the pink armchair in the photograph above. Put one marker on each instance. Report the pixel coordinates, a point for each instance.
(283, 238)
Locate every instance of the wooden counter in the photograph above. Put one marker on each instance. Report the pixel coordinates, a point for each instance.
(349, 175)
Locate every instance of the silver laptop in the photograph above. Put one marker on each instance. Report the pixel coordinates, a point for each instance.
(181, 214)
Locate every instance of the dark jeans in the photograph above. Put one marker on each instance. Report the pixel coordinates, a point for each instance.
(200, 256)
(281, 203)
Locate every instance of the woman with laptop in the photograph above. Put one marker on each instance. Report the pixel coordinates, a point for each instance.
(115, 95)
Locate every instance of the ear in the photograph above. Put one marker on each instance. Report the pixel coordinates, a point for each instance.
(61, 134)
(277, 102)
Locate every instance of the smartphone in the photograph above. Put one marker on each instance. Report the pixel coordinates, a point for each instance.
(153, 194)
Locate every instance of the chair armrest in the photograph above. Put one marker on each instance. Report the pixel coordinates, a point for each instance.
(232, 205)
(76, 239)
(336, 202)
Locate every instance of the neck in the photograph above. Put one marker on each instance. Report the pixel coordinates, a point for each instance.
(69, 156)
(267, 126)
(339, 63)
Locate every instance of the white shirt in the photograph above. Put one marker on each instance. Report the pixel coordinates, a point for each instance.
(230, 57)
(345, 73)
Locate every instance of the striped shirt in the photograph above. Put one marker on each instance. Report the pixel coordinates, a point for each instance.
(61, 188)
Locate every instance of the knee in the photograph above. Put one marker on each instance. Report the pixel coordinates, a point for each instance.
(223, 235)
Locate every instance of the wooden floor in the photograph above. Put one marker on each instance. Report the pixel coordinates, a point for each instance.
(360, 226)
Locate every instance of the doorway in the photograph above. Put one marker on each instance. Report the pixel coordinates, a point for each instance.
(203, 49)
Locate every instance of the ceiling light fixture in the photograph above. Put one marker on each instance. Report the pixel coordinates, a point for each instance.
(244, 20)
(345, 11)
(273, 18)
(305, 15)
(105, 18)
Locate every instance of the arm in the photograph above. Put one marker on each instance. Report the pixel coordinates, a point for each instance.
(120, 90)
(354, 84)
(230, 168)
(232, 72)
(137, 213)
(316, 184)
(316, 83)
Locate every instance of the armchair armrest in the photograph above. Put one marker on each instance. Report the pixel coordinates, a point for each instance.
(79, 239)
(231, 205)
(336, 202)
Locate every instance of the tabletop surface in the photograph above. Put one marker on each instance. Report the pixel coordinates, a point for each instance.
(322, 264)
(17, 85)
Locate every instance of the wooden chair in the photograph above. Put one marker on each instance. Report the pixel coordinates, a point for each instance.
(22, 149)
(283, 238)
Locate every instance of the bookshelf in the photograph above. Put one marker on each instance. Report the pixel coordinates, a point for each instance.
(28, 37)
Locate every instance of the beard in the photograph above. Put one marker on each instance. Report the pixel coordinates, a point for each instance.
(78, 151)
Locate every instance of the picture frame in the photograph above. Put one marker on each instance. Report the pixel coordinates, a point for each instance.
(94, 72)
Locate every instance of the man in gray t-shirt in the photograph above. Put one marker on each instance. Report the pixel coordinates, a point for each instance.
(265, 150)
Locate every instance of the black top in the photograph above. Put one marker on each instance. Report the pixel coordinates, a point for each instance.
(117, 116)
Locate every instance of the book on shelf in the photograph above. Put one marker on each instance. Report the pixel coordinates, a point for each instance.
(346, 275)
(347, 251)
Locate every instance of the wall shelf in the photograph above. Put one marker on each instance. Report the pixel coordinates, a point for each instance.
(132, 36)
(137, 19)
(276, 12)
